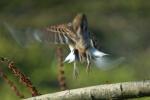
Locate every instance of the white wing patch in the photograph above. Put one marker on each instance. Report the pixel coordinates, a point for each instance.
(71, 57)
(96, 53)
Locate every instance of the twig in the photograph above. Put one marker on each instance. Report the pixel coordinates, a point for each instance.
(61, 77)
(11, 84)
(22, 78)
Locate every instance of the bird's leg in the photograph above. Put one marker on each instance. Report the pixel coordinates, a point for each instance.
(88, 67)
(80, 57)
(75, 70)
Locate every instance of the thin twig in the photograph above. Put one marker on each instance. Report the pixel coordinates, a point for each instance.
(11, 84)
(22, 78)
(61, 76)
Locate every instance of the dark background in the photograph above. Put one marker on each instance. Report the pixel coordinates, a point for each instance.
(121, 26)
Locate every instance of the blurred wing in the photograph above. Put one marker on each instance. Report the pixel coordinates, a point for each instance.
(59, 34)
(107, 62)
(94, 41)
(49, 35)
(18, 35)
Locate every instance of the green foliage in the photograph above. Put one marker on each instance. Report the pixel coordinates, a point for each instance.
(122, 27)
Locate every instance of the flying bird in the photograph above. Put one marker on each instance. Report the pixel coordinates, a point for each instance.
(76, 35)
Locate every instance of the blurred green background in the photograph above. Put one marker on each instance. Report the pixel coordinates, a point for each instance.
(121, 26)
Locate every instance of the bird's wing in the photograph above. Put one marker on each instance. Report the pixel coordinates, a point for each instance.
(94, 41)
(56, 34)
(62, 34)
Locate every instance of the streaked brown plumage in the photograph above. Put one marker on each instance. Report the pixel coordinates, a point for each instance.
(77, 36)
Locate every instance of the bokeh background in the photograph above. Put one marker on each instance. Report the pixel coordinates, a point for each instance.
(121, 26)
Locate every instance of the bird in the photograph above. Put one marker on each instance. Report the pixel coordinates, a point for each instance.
(76, 34)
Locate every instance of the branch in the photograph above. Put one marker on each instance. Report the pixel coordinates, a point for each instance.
(101, 92)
